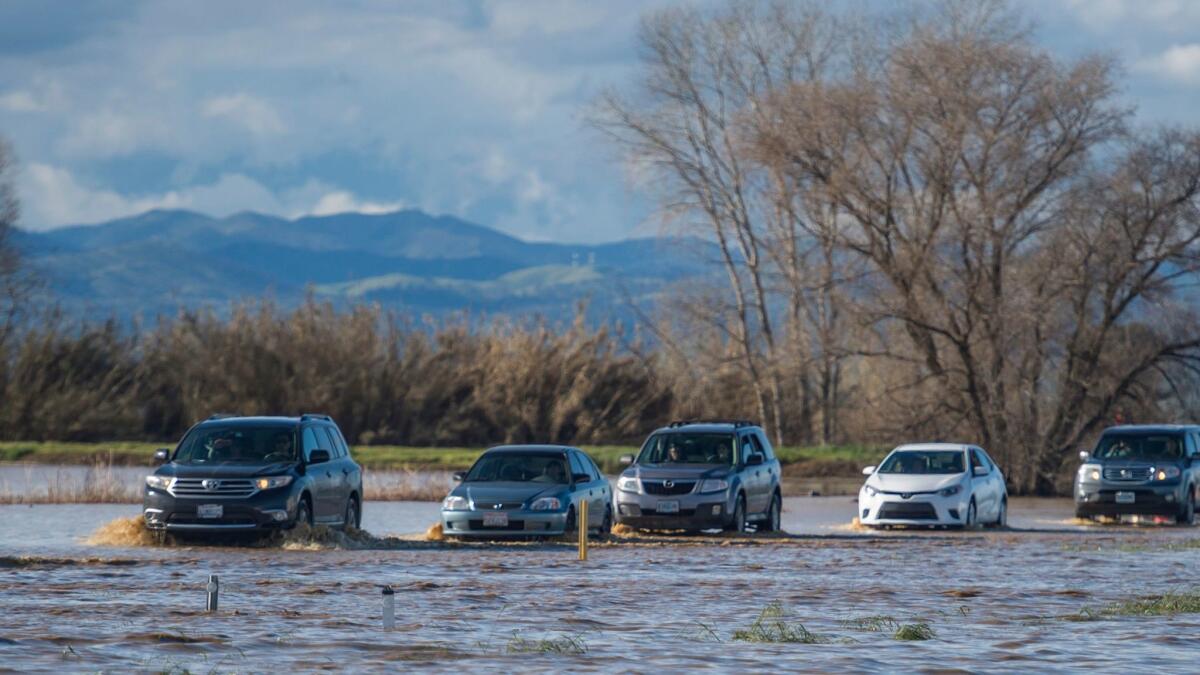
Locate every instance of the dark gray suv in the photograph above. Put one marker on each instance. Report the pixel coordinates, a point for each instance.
(700, 475)
(1141, 470)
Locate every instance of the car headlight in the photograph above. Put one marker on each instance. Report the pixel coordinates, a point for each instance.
(714, 485)
(871, 492)
(159, 482)
(1166, 472)
(1089, 472)
(546, 504)
(627, 484)
(272, 482)
(455, 503)
(950, 491)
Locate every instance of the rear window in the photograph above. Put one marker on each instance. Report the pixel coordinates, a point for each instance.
(1149, 446)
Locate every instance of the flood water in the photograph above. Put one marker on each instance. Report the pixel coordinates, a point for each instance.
(995, 600)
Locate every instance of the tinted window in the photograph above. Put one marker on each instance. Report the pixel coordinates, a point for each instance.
(334, 446)
(576, 465)
(591, 464)
(310, 443)
(978, 460)
(747, 448)
(1138, 446)
(766, 446)
(514, 466)
(687, 448)
(923, 461)
(341, 441)
(238, 445)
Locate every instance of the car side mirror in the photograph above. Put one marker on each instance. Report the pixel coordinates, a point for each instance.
(625, 460)
(980, 471)
(754, 460)
(1083, 455)
(162, 455)
(318, 456)
(581, 478)
(459, 476)
(868, 470)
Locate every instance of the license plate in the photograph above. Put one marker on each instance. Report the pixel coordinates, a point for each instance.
(495, 520)
(210, 511)
(1126, 497)
(668, 507)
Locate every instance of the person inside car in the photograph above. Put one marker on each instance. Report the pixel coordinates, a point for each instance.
(674, 453)
(552, 473)
(281, 448)
(721, 454)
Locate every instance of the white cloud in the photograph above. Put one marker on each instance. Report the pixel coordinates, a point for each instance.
(251, 112)
(20, 101)
(52, 197)
(1179, 62)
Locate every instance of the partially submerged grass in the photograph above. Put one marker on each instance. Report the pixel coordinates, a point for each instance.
(872, 624)
(1167, 604)
(914, 631)
(563, 644)
(772, 625)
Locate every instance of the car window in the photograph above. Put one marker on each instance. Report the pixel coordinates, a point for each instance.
(576, 467)
(1139, 446)
(238, 444)
(768, 451)
(596, 473)
(758, 447)
(334, 448)
(688, 448)
(341, 441)
(310, 442)
(923, 461)
(536, 467)
(747, 448)
(1191, 444)
(978, 460)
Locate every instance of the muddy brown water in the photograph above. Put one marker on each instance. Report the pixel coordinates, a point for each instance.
(995, 600)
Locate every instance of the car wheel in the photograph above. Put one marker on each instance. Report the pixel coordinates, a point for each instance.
(607, 526)
(738, 522)
(972, 517)
(1002, 517)
(352, 518)
(303, 513)
(1188, 516)
(771, 524)
(569, 528)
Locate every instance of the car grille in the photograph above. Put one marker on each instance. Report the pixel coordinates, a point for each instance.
(1130, 473)
(192, 520)
(512, 525)
(907, 511)
(224, 487)
(661, 487)
(497, 506)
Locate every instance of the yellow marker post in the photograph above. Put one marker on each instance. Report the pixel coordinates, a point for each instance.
(581, 524)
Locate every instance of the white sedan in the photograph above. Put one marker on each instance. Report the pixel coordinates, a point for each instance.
(945, 484)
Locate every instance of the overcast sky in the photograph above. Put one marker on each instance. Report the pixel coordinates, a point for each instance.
(471, 108)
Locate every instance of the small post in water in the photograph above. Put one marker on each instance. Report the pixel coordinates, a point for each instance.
(581, 524)
(213, 587)
(389, 608)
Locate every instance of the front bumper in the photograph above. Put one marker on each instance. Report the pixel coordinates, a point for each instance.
(271, 509)
(695, 511)
(520, 524)
(919, 509)
(1100, 499)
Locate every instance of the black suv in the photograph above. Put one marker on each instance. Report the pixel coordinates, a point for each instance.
(255, 473)
(1141, 470)
(700, 475)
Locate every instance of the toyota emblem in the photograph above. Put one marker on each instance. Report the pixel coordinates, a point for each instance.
(905, 495)
(210, 484)
(669, 483)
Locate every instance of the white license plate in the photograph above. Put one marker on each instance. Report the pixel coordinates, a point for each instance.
(668, 507)
(1126, 497)
(210, 511)
(495, 520)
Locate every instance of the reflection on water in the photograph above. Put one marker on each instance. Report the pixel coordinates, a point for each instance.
(993, 599)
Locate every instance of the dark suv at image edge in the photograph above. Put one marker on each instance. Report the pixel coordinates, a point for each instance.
(701, 475)
(1141, 470)
(255, 473)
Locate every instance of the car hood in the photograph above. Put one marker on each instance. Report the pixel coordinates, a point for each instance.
(913, 482)
(230, 470)
(506, 491)
(677, 472)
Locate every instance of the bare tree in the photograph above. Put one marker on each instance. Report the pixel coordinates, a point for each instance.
(15, 281)
(1017, 228)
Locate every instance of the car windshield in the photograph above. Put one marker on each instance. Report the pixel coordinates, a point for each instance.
(1151, 446)
(924, 461)
(687, 448)
(519, 467)
(238, 445)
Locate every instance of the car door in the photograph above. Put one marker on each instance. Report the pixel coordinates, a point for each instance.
(774, 472)
(983, 488)
(600, 489)
(339, 474)
(579, 486)
(751, 475)
(350, 469)
(320, 475)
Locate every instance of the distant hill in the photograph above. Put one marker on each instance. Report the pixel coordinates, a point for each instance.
(409, 261)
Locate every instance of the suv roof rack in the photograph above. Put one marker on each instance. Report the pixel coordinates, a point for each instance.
(222, 416)
(736, 423)
(315, 416)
